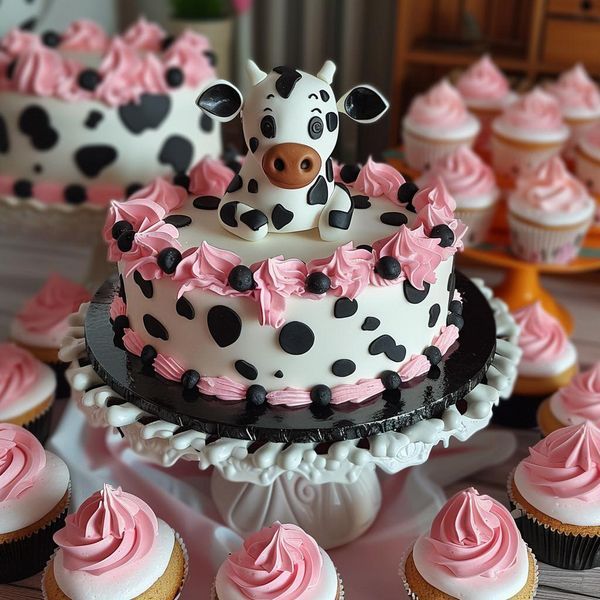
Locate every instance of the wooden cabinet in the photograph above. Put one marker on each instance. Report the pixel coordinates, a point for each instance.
(567, 41)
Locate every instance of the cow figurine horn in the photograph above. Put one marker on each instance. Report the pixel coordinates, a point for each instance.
(327, 71)
(254, 73)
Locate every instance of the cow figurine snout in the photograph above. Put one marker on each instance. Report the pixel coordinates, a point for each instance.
(291, 166)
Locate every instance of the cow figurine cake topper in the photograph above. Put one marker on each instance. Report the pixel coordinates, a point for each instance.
(290, 123)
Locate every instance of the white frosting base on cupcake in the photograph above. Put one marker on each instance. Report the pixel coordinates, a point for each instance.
(557, 136)
(37, 501)
(522, 209)
(40, 391)
(468, 129)
(473, 588)
(486, 104)
(123, 583)
(590, 149)
(549, 368)
(50, 339)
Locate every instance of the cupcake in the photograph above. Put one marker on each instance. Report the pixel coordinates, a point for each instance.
(529, 131)
(115, 547)
(472, 184)
(27, 388)
(573, 404)
(437, 123)
(486, 93)
(549, 361)
(549, 214)
(556, 494)
(280, 561)
(473, 551)
(42, 323)
(579, 100)
(587, 160)
(34, 498)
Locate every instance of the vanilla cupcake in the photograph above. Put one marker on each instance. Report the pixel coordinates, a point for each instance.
(579, 99)
(114, 547)
(556, 495)
(529, 131)
(27, 389)
(42, 322)
(573, 404)
(587, 160)
(472, 184)
(486, 92)
(34, 498)
(473, 551)
(437, 123)
(280, 561)
(549, 214)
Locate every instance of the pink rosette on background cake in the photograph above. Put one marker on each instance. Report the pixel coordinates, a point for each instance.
(436, 124)
(84, 36)
(549, 214)
(144, 35)
(587, 160)
(279, 562)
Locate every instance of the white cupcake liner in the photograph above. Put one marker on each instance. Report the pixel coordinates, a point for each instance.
(420, 152)
(478, 220)
(540, 244)
(511, 160)
(578, 128)
(588, 171)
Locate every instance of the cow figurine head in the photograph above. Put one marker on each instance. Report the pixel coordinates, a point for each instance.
(290, 122)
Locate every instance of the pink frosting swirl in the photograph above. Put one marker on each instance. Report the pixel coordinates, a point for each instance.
(552, 188)
(210, 177)
(542, 337)
(378, 179)
(415, 366)
(19, 370)
(188, 52)
(483, 80)
(48, 311)
(440, 106)
(223, 388)
(40, 71)
(575, 90)
(473, 535)
(84, 35)
(22, 459)
(279, 562)
(566, 463)
(17, 41)
(166, 195)
(168, 367)
(535, 111)
(580, 399)
(111, 529)
(133, 342)
(144, 35)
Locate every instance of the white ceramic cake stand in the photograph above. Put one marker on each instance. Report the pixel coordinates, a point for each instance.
(332, 492)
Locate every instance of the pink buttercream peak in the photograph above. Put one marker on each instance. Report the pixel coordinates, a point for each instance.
(580, 399)
(542, 337)
(279, 562)
(576, 90)
(535, 111)
(19, 370)
(473, 535)
(111, 529)
(144, 35)
(440, 106)
(191, 53)
(17, 41)
(84, 35)
(483, 80)
(567, 463)
(40, 71)
(166, 195)
(210, 177)
(22, 459)
(379, 179)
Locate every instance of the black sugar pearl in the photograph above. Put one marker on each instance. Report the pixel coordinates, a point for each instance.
(190, 379)
(89, 79)
(120, 324)
(433, 354)
(256, 394)
(51, 39)
(166, 42)
(148, 355)
(391, 380)
(320, 395)
(456, 307)
(22, 188)
(365, 247)
(174, 77)
(120, 227)
(454, 319)
(125, 241)
(168, 259)
(318, 283)
(240, 278)
(406, 192)
(388, 267)
(444, 233)
(75, 194)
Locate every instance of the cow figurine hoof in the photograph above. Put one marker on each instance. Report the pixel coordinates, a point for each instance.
(337, 216)
(243, 220)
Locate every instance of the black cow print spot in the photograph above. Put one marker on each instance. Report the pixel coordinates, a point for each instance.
(287, 80)
(370, 324)
(255, 219)
(413, 295)
(145, 285)
(343, 367)
(434, 315)
(176, 152)
(253, 144)
(329, 169)
(253, 186)
(278, 374)
(281, 216)
(206, 202)
(185, 309)
(451, 284)
(246, 369)
(393, 218)
(4, 143)
(324, 95)
(224, 325)
(34, 122)
(37, 168)
(318, 194)
(206, 123)
(155, 328)
(349, 173)
(148, 113)
(331, 119)
(227, 214)
(235, 184)
(29, 24)
(361, 202)
(387, 345)
(344, 307)
(93, 119)
(296, 338)
(91, 160)
(178, 221)
(122, 289)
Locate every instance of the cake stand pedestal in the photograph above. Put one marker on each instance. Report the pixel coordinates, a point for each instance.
(324, 478)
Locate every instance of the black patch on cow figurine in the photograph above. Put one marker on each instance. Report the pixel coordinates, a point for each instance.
(318, 193)
(227, 214)
(287, 80)
(281, 216)
(331, 119)
(254, 219)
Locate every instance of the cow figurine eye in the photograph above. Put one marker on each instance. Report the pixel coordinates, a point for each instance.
(315, 128)
(267, 126)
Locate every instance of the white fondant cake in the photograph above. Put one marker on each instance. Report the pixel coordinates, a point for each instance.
(353, 294)
(86, 118)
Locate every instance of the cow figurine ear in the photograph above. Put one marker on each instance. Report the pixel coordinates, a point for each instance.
(221, 100)
(363, 104)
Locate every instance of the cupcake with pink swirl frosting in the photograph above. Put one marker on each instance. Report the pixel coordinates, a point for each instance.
(556, 495)
(34, 498)
(473, 551)
(114, 547)
(279, 562)
(587, 160)
(473, 185)
(529, 131)
(549, 214)
(437, 123)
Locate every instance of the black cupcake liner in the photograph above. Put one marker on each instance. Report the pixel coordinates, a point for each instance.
(63, 389)
(518, 411)
(40, 425)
